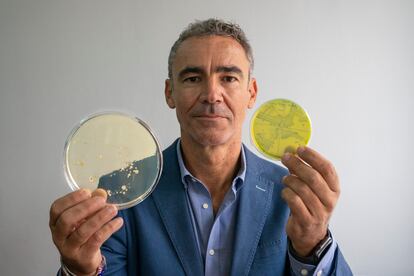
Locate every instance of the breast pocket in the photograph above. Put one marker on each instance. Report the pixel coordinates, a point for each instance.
(270, 258)
(270, 249)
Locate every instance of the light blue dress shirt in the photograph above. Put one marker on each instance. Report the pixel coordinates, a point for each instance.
(215, 234)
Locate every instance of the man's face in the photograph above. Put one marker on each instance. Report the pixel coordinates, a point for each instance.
(210, 89)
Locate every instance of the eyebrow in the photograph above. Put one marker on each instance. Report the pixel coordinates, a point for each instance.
(219, 69)
(190, 69)
(229, 69)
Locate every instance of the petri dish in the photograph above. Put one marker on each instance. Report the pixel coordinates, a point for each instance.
(279, 126)
(116, 152)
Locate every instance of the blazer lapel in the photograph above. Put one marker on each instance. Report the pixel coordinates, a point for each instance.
(255, 199)
(171, 201)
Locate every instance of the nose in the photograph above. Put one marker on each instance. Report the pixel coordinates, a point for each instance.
(212, 92)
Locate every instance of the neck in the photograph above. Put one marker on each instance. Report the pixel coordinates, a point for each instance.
(216, 166)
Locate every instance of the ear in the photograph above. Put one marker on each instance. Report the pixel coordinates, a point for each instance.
(253, 92)
(168, 93)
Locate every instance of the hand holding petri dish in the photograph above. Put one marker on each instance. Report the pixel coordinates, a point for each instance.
(115, 152)
(279, 126)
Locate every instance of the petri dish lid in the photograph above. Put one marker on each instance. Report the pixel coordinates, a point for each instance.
(279, 126)
(116, 152)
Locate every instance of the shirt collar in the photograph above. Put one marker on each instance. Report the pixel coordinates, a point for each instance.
(185, 174)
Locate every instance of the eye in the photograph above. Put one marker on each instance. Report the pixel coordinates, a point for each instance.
(193, 79)
(229, 79)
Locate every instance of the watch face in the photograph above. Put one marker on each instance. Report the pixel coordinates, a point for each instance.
(115, 152)
(279, 126)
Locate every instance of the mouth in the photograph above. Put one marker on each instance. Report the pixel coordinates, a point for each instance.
(209, 117)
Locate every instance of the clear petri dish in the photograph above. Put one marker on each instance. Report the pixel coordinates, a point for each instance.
(116, 152)
(279, 126)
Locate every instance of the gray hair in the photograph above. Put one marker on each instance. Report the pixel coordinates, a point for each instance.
(210, 27)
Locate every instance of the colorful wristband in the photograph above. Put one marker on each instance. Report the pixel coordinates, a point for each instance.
(99, 271)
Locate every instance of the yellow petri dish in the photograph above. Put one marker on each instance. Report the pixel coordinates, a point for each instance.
(279, 126)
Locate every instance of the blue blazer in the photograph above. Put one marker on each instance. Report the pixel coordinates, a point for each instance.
(158, 238)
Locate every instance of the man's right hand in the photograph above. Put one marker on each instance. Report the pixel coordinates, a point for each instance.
(80, 223)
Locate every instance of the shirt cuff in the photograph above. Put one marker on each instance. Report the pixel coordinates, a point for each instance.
(323, 268)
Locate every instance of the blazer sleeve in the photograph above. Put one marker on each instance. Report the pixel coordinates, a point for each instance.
(341, 267)
(335, 265)
(115, 252)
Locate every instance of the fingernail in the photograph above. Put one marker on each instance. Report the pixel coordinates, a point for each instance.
(119, 221)
(284, 178)
(111, 209)
(300, 149)
(85, 191)
(99, 192)
(286, 156)
(100, 201)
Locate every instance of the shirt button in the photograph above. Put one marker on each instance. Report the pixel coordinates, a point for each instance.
(319, 273)
(211, 252)
(205, 205)
(304, 272)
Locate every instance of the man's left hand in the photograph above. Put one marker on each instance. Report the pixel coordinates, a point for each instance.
(312, 190)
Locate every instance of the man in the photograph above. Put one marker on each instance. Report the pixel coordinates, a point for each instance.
(218, 209)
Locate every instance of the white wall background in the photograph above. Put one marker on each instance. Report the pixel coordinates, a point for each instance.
(349, 63)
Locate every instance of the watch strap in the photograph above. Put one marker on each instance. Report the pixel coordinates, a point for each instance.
(317, 253)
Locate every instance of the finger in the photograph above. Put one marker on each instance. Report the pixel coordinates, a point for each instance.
(309, 198)
(72, 217)
(297, 208)
(322, 165)
(308, 175)
(66, 202)
(91, 225)
(100, 236)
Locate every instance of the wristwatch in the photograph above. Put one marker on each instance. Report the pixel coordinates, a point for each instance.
(317, 253)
